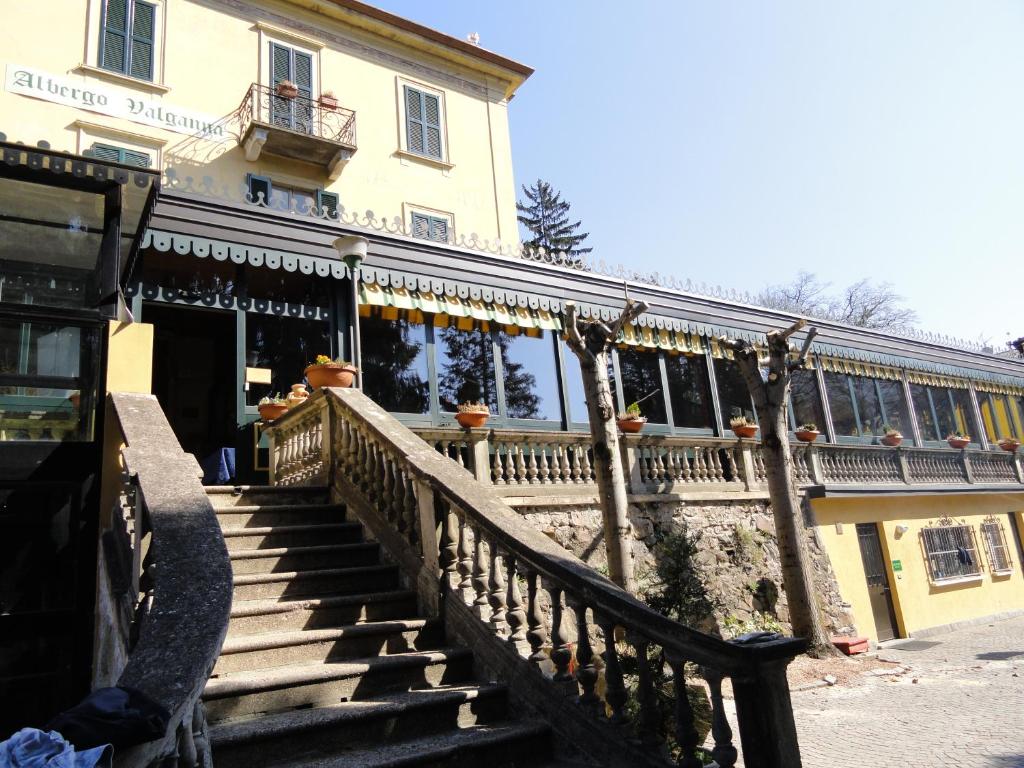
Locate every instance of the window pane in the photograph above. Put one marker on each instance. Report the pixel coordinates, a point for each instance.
(868, 406)
(186, 278)
(531, 377)
(895, 405)
(285, 345)
(688, 390)
(574, 376)
(1004, 424)
(465, 368)
(923, 409)
(395, 364)
(641, 378)
(944, 410)
(964, 413)
(841, 405)
(733, 394)
(47, 393)
(287, 287)
(806, 399)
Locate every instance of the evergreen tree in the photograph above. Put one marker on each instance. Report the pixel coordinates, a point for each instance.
(546, 216)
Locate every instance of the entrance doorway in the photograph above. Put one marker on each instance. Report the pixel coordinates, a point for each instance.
(878, 581)
(194, 356)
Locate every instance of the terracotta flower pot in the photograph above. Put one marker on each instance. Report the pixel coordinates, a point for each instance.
(1010, 446)
(631, 426)
(330, 375)
(807, 435)
(75, 398)
(747, 431)
(958, 442)
(271, 411)
(891, 440)
(328, 102)
(472, 419)
(286, 89)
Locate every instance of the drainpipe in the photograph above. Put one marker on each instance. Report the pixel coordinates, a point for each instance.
(352, 250)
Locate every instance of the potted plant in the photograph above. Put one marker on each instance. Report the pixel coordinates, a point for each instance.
(891, 436)
(472, 415)
(1009, 444)
(742, 426)
(272, 407)
(807, 433)
(328, 100)
(325, 372)
(632, 421)
(286, 89)
(957, 440)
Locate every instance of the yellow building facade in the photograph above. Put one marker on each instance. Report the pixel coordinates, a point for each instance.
(170, 82)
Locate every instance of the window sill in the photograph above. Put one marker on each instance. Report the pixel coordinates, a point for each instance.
(1003, 572)
(403, 154)
(958, 580)
(117, 77)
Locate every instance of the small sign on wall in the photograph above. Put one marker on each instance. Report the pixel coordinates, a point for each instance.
(897, 565)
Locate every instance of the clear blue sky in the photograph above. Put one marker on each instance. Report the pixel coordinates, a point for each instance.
(737, 143)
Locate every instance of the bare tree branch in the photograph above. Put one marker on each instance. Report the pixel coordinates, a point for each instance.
(801, 359)
(572, 332)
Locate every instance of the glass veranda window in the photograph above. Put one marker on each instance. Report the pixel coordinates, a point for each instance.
(733, 394)
(394, 364)
(465, 364)
(806, 399)
(640, 379)
(529, 376)
(689, 391)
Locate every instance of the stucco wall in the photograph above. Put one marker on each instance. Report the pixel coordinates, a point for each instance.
(919, 604)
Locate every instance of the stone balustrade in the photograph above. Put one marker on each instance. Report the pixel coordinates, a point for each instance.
(537, 617)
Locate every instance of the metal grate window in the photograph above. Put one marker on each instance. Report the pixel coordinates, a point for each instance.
(995, 546)
(951, 552)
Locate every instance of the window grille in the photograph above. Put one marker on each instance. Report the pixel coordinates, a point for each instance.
(993, 536)
(951, 552)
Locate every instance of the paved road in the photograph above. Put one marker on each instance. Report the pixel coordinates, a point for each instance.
(965, 708)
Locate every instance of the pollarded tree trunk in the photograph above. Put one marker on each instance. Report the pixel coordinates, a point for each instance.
(592, 347)
(770, 394)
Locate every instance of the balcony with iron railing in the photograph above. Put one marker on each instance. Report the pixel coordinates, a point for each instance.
(277, 122)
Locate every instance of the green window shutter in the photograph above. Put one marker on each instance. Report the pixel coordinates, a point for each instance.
(108, 153)
(421, 226)
(327, 202)
(259, 189)
(438, 229)
(303, 73)
(280, 63)
(114, 38)
(432, 125)
(414, 120)
(141, 159)
(142, 39)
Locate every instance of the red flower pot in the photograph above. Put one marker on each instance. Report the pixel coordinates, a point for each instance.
(1010, 446)
(891, 440)
(807, 435)
(472, 419)
(631, 426)
(271, 411)
(957, 442)
(328, 102)
(286, 89)
(330, 375)
(747, 431)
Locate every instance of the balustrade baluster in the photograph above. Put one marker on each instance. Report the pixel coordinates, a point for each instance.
(515, 613)
(650, 718)
(700, 472)
(409, 508)
(465, 562)
(497, 466)
(716, 465)
(586, 471)
(458, 454)
(685, 731)
(685, 466)
(481, 608)
(615, 695)
(659, 466)
(565, 476)
(586, 672)
(449, 554)
(537, 633)
(542, 464)
(497, 597)
(724, 752)
(520, 473)
(561, 653)
(531, 465)
(388, 486)
(577, 464)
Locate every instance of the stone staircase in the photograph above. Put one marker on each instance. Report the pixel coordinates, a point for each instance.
(327, 662)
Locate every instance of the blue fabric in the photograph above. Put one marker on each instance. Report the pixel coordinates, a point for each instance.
(120, 716)
(219, 467)
(33, 748)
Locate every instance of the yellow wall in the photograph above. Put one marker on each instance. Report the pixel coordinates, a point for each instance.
(129, 357)
(208, 54)
(917, 602)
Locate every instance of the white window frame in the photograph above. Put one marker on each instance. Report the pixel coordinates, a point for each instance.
(410, 209)
(93, 31)
(444, 162)
(93, 133)
(270, 34)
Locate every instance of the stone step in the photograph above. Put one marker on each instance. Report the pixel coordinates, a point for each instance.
(379, 638)
(250, 617)
(499, 745)
(268, 515)
(317, 734)
(292, 559)
(327, 581)
(273, 537)
(283, 688)
(232, 495)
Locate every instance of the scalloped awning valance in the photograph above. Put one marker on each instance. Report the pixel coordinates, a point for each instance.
(1000, 389)
(858, 368)
(936, 380)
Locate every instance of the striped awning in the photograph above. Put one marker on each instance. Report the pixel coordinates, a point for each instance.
(858, 368)
(999, 389)
(936, 380)
(661, 338)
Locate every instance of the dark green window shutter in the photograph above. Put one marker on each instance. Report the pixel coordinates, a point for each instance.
(114, 42)
(142, 39)
(438, 229)
(423, 122)
(303, 73)
(259, 189)
(280, 63)
(140, 159)
(327, 202)
(420, 226)
(107, 152)
(432, 125)
(114, 154)
(414, 120)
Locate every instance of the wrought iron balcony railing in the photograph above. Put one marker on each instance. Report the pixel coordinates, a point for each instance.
(299, 127)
